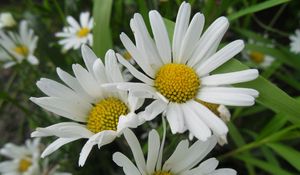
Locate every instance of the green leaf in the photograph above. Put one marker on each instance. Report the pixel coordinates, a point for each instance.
(289, 154)
(270, 95)
(273, 169)
(102, 40)
(256, 8)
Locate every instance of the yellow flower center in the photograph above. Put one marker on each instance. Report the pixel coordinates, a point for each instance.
(161, 173)
(22, 50)
(177, 82)
(257, 57)
(83, 32)
(211, 106)
(24, 164)
(105, 115)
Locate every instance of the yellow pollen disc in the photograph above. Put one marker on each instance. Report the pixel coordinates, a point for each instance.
(211, 106)
(24, 164)
(162, 173)
(177, 82)
(22, 50)
(105, 115)
(257, 57)
(83, 32)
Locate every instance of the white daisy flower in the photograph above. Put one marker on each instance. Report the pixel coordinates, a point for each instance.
(295, 42)
(24, 159)
(184, 160)
(99, 115)
(259, 59)
(178, 77)
(7, 20)
(76, 34)
(20, 46)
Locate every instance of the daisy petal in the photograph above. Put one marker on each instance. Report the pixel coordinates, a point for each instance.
(153, 110)
(219, 58)
(136, 150)
(153, 150)
(181, 25)
(175, 118)
(161, 36)
(122, 161)
(56, 145)
(230, 78)
(195, 125)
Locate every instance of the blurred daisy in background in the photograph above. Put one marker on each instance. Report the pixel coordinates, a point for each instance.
(178, 77)
(7, 20)
(100, 114)
(18, 47)
(24, 159)
(184, 160)
(295, 42)
(257, 58)
(76, 34)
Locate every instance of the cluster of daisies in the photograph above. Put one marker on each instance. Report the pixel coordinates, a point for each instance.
(101, 103)
(25, 160)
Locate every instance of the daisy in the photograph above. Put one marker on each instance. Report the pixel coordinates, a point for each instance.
(98, 114)
(179, 78)
(184, 160)
(295, 42)
(7, 20)
(76, 34)
(260, 59)
(20, 46)
(24, 159)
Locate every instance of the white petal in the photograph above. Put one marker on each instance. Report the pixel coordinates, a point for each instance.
(56, 145)
(228, 96)
(73, 22)
(153, 150)
(153, 110)
(64, 107)
(84, 19)
(224, 171)
(73, 83)
(175, 118)
(205, 167)
(161, 36)
(122, 161)
(137, 55)
(87, 81)
(181, 25)
(194, 124)
(136, 150)
(210, 39)
(191, 37)
(64, 129)
(131, 120)
(180, 151)
(210, 119)
(194, 155)
(230, 78)
(134, 71)
(101, 138)
(219, 58)
(112, 68)
(88, 56)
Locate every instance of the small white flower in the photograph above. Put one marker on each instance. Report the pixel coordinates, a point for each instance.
(76, 34)
(260, 60)
(19, 47)
(184, 160)
(24, 159)
(179, 78)
(7, 20)
(100, 114)
(295, 42)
